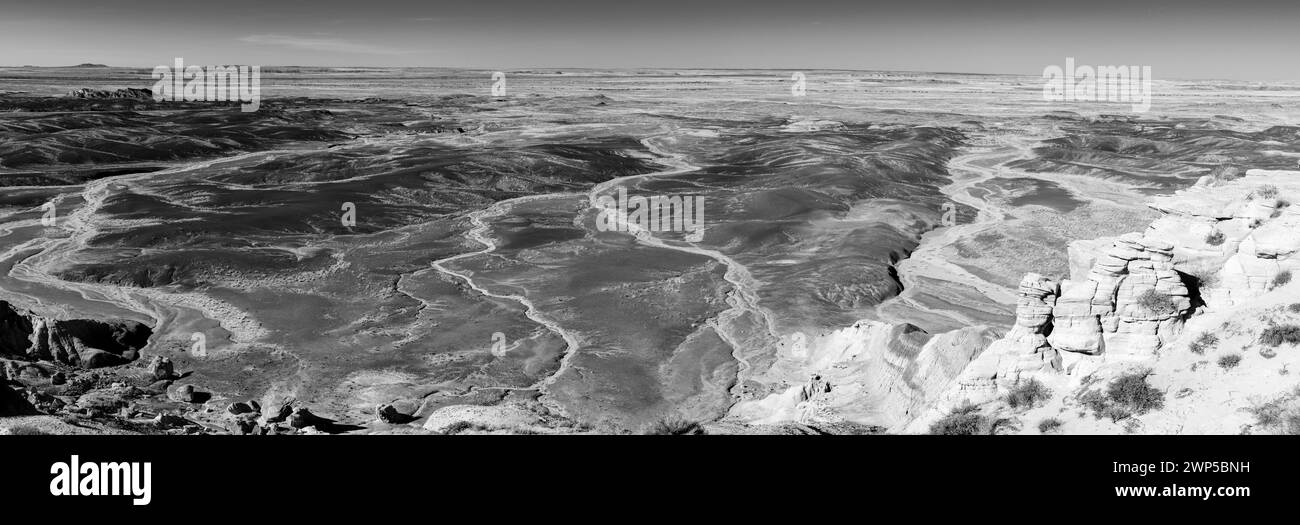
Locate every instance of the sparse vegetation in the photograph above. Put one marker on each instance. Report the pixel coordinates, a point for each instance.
(965, 420)
(1206, 277)
(1281, 279)
(1203, 342)
(1157, 302)
(1026, 394)
(1281, 415)
(1277, 334)
(1095, 401)
(1049, 425)
(1215, 238)
(672, 426)
(1282, 204)
(1267, 191)
(1132, 391)
(1294, 308)
(1229, 361)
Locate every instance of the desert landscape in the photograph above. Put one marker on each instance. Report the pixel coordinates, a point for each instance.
(405, 251)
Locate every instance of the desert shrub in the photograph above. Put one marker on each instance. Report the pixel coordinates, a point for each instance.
(1281, 204)
(1281, 414)
(1156, 302)
(1281, 278)
(1203, 342)
(1294, 308)
(1132, 391)
(962, 421)
(1095, 401)
(1230, 361)
(1278, 334)
(1049, 425)
(1215, 238)
(672, 426)
(1206, 277)
(1267, 191)
(1027, 394)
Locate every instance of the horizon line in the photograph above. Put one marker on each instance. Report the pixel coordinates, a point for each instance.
(91, 65)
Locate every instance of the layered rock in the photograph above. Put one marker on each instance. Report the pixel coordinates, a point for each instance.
(871, 373)
(1236, 237)
(77, 342)
(1024, 350)
(1130, 302)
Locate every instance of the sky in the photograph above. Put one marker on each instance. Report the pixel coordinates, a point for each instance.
(1179, 39)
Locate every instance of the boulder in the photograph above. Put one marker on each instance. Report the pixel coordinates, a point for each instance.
(189, 394)
(281, 414)
(169, 421)
(162, 369)
(389, 414)
(303, 418)
(14, 404)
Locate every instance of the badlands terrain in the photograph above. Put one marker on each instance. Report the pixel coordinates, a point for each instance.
(400, 251)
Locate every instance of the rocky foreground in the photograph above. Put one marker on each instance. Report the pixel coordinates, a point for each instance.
(1188, 327)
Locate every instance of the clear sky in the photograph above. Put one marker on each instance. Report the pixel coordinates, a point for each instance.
(1238, 39)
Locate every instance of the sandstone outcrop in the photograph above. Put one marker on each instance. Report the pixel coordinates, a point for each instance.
(1128, 305)
(1217, 245)
(1023, 350)
(1130, 302)
(76, 342)
(871, 373)
(1234, 237)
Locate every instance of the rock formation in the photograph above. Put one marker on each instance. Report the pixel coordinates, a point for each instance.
(1236, 236)
(76, 342)
(128, 93)
(14, 404)
(162, 369)
(1216, 246)
(1024, 349)
(871, 373)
